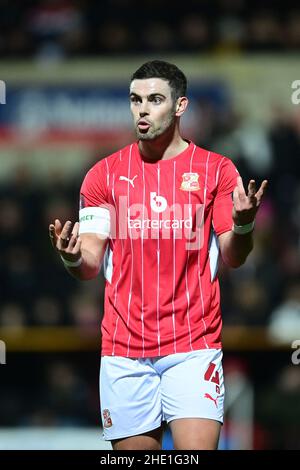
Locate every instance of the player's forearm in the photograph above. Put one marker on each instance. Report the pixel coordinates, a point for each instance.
(236, 248)
(88, 269)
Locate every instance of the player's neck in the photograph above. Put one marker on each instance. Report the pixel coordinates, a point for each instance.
(162, 148)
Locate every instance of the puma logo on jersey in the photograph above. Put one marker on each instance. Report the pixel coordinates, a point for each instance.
(215, 400)
(124, 178)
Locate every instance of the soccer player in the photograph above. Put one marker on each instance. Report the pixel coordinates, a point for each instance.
(158, 212)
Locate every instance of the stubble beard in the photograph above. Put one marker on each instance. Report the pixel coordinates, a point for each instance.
(153, 134)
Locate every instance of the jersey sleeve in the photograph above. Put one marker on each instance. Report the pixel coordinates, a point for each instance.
(94, 214)
(93, 192)
(223, 203)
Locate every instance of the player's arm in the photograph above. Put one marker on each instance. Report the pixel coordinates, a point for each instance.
(82, 255)
(235, 245)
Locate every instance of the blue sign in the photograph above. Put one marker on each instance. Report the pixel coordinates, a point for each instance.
(89, 108)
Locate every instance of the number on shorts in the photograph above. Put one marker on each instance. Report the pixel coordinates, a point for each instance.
(208, 374)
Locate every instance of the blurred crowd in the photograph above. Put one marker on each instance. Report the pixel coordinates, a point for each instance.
(266, 290)
(36, 290)
(68, 28)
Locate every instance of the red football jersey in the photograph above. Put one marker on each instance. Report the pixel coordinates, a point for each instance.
(162, 295)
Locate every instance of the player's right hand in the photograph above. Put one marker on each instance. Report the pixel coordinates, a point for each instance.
(65, 240)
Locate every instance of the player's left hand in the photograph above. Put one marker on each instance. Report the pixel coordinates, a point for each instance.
(245, 205)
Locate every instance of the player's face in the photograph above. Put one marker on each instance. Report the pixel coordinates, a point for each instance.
(152, 106)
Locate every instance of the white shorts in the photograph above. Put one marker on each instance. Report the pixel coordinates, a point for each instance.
(136, 395)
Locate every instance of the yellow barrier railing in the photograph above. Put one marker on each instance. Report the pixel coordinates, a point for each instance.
(53, 339)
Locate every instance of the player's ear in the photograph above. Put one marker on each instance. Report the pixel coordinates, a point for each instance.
(181, 105)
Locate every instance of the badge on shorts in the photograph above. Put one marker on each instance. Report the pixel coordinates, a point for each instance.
(190, 182)
(107, 421)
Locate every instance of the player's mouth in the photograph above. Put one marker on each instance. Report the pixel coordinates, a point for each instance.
(143, 125)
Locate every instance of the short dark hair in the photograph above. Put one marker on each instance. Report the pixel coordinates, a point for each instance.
(166, 71)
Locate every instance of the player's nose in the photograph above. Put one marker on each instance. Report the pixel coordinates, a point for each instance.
(143, 111)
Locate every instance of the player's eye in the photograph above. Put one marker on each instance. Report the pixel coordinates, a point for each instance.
(156, 100)
(134, 99)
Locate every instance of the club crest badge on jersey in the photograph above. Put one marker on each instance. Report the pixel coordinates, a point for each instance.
(107, 421)
(190, 182)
